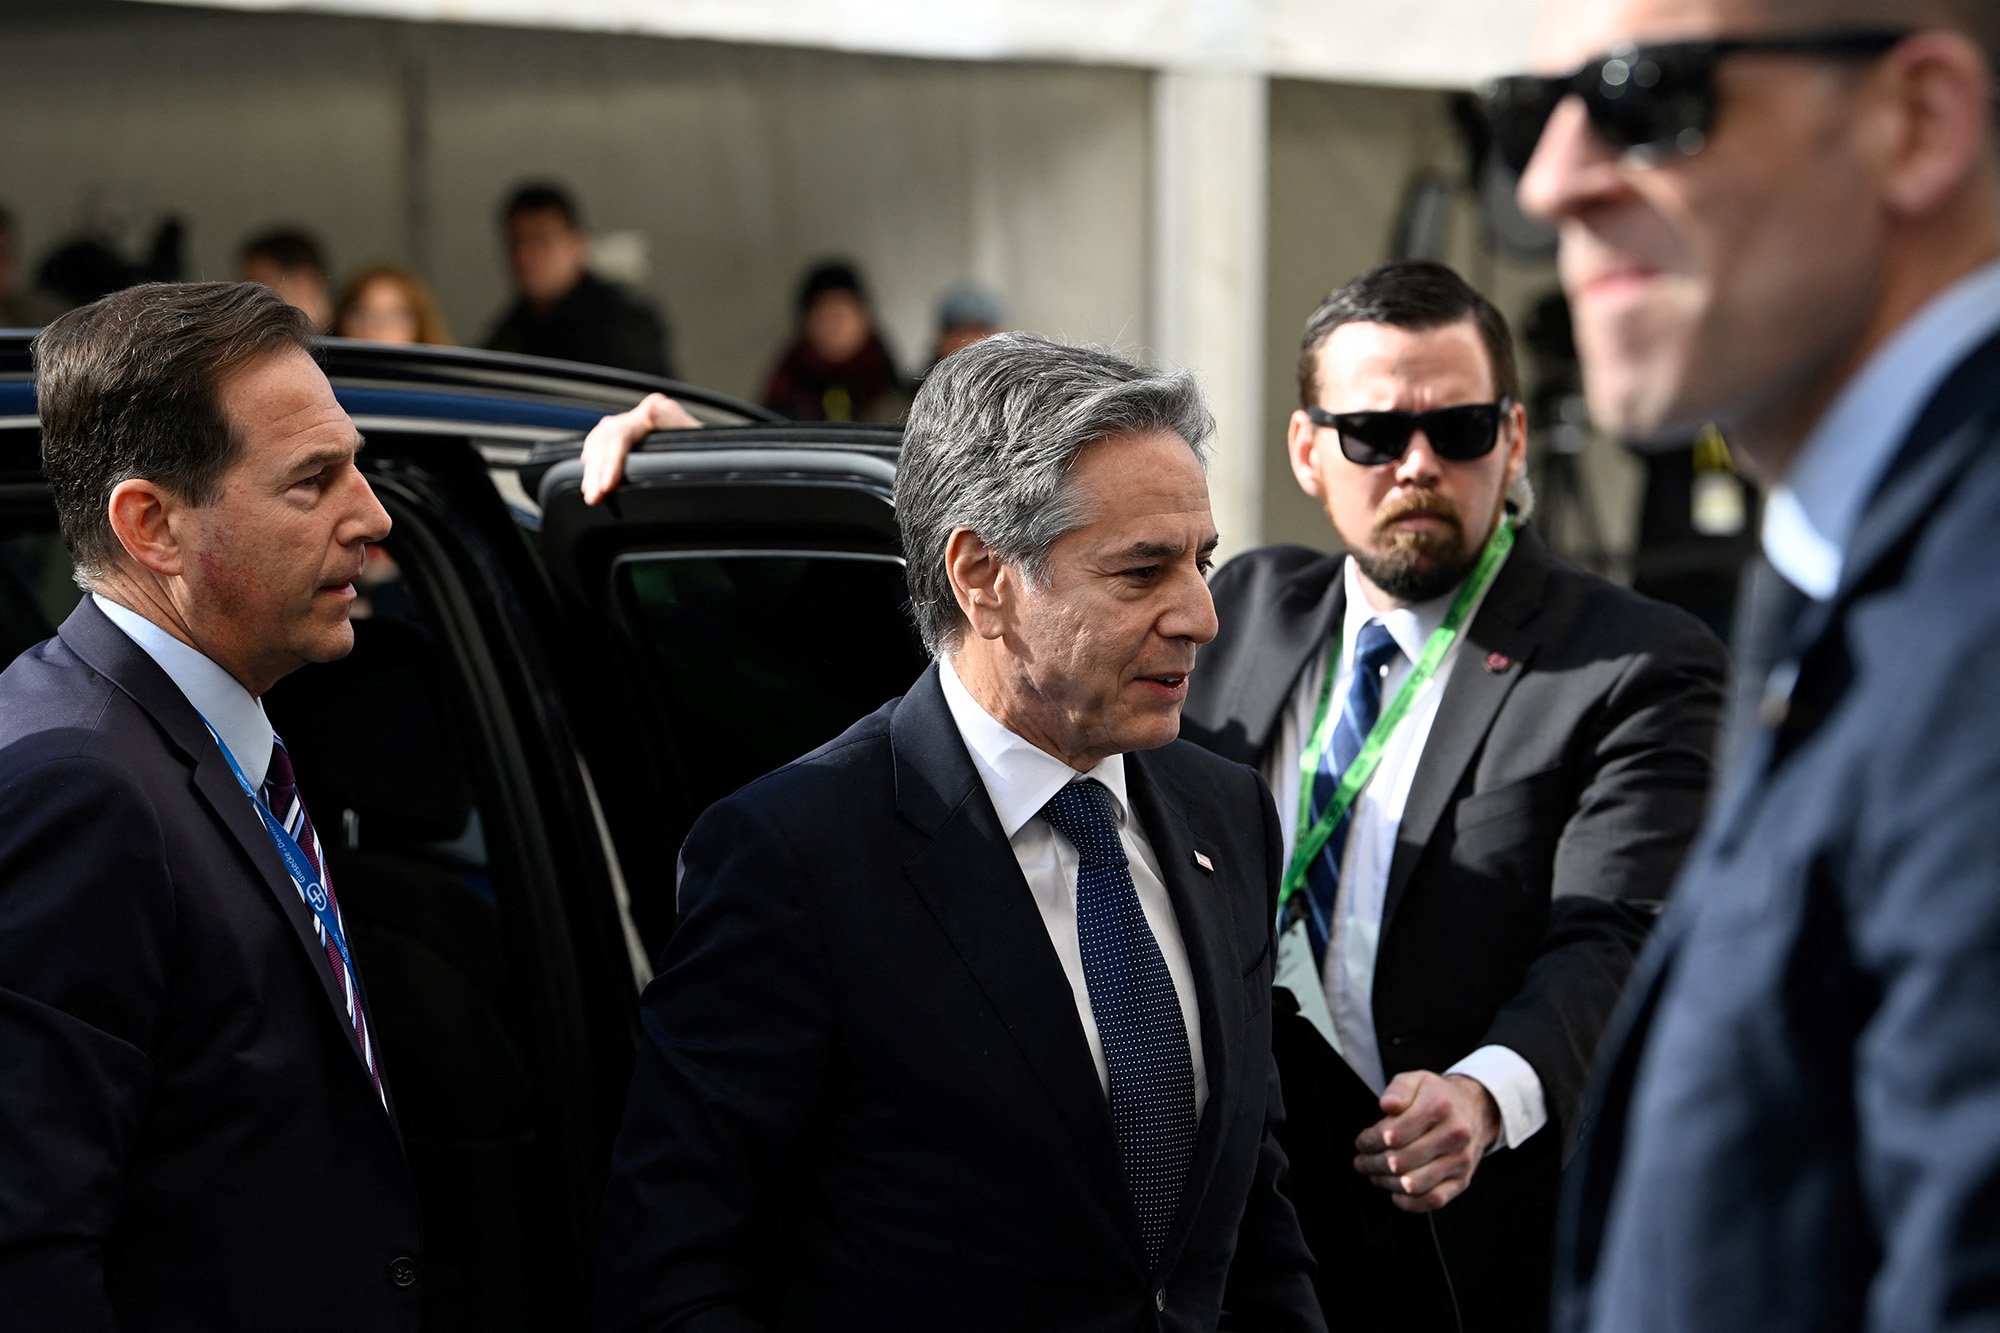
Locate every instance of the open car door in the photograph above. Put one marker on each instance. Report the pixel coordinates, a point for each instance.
(737, 602)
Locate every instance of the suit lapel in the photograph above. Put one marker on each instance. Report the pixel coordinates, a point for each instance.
(1939, 449)
(969, 880)
(1472, 699)
(1287, 640)
(1201, 910)
(108, 650)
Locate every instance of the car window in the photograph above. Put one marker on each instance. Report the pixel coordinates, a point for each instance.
(765, 655)
(37, 592)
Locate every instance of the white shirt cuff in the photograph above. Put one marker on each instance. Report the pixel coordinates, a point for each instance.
(1516, 1089)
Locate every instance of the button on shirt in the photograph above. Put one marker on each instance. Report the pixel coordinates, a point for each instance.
(1020, 778)
(1349, 973)
(218, 696)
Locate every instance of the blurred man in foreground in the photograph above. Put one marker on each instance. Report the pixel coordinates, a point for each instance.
(291, 264)
(562, 309)
(966, 1020)
(1784, 216)
(196, 1131)
(1454, 943)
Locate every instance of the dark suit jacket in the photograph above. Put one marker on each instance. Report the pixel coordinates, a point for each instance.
(599, 323)
(188, 1137)
(1561, 783)
(1799, 1120)
(864, 1098)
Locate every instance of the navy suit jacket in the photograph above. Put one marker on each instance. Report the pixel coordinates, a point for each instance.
(1797, 1124)
(864, 1098)
(188, 1137)
(1562, 781)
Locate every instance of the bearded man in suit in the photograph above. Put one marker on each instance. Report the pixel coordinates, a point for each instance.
(1488, 765)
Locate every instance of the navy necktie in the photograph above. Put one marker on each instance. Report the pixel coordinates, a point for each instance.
(1374, 649)
(281, 797)
(1138, 1014)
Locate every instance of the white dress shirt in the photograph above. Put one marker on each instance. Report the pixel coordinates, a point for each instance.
(1348, 977)
(1811, 516)
(218, 696)
(1020, 779)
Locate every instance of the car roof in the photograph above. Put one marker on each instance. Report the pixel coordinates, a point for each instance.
(537, 397)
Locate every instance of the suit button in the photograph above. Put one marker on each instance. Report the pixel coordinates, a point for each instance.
(403, 1271)
(1160, 1299)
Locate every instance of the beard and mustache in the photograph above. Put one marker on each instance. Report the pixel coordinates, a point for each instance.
(1422, 564)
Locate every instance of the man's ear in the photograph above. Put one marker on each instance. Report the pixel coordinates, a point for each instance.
(1935, 122)
(1516, 426)
(1302, 446)
(981, 581)
(141, 513)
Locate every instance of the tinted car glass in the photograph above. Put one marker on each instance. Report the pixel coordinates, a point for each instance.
(36, 590)
(768, 653)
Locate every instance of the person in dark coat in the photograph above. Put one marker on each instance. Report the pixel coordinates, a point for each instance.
(837, 368)
(965, 1021)
(1451, 954)
(196, 1130)
(562, 309)
(1788, 224)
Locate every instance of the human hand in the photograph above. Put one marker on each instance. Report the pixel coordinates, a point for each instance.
(1436, 1129)
(611, 439)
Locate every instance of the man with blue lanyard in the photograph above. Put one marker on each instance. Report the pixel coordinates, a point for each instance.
(1487, 765)
(197, 1131)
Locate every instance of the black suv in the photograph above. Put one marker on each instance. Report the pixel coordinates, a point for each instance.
(541, 699)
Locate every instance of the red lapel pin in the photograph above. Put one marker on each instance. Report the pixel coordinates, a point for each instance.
(1204, 863)
(1498, 662)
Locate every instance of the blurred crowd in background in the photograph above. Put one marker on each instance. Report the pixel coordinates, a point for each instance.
(834, 365)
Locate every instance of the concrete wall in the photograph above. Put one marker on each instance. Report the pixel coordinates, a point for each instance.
(736, 165)
(731, 166)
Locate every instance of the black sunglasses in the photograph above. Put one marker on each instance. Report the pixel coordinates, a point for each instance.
(1651, 101)
(1460, 433)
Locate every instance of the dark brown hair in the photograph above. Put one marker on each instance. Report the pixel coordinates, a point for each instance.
(431, 327)
(128, 386)
(1415, 294)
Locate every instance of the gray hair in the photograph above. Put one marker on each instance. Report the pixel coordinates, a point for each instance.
(990, 442)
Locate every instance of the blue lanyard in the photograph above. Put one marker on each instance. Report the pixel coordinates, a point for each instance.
(296, 862)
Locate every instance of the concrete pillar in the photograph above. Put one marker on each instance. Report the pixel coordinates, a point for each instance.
(1210, 130)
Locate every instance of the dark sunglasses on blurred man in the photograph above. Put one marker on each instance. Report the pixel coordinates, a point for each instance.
(1652, 102)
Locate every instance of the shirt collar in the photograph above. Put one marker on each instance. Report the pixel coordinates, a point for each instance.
(1811, 516)
(1410, 626)
(1020, 777)
(218, 696)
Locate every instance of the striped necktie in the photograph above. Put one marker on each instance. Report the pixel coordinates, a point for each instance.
(281, 796)
(1138, 1013)
(1374, 650)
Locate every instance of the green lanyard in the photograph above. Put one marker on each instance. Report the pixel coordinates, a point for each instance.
(1313, 841)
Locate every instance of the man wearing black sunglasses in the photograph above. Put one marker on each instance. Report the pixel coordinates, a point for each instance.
(1451, 948)
(1790, 226)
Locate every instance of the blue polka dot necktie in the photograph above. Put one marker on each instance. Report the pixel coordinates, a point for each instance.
(1138, 1014)
(1374, 650)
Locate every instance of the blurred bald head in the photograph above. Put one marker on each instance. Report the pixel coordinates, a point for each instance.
(1833, 196)
(1977, 19)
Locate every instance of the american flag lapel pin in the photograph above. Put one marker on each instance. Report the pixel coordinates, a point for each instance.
(1204, 863)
